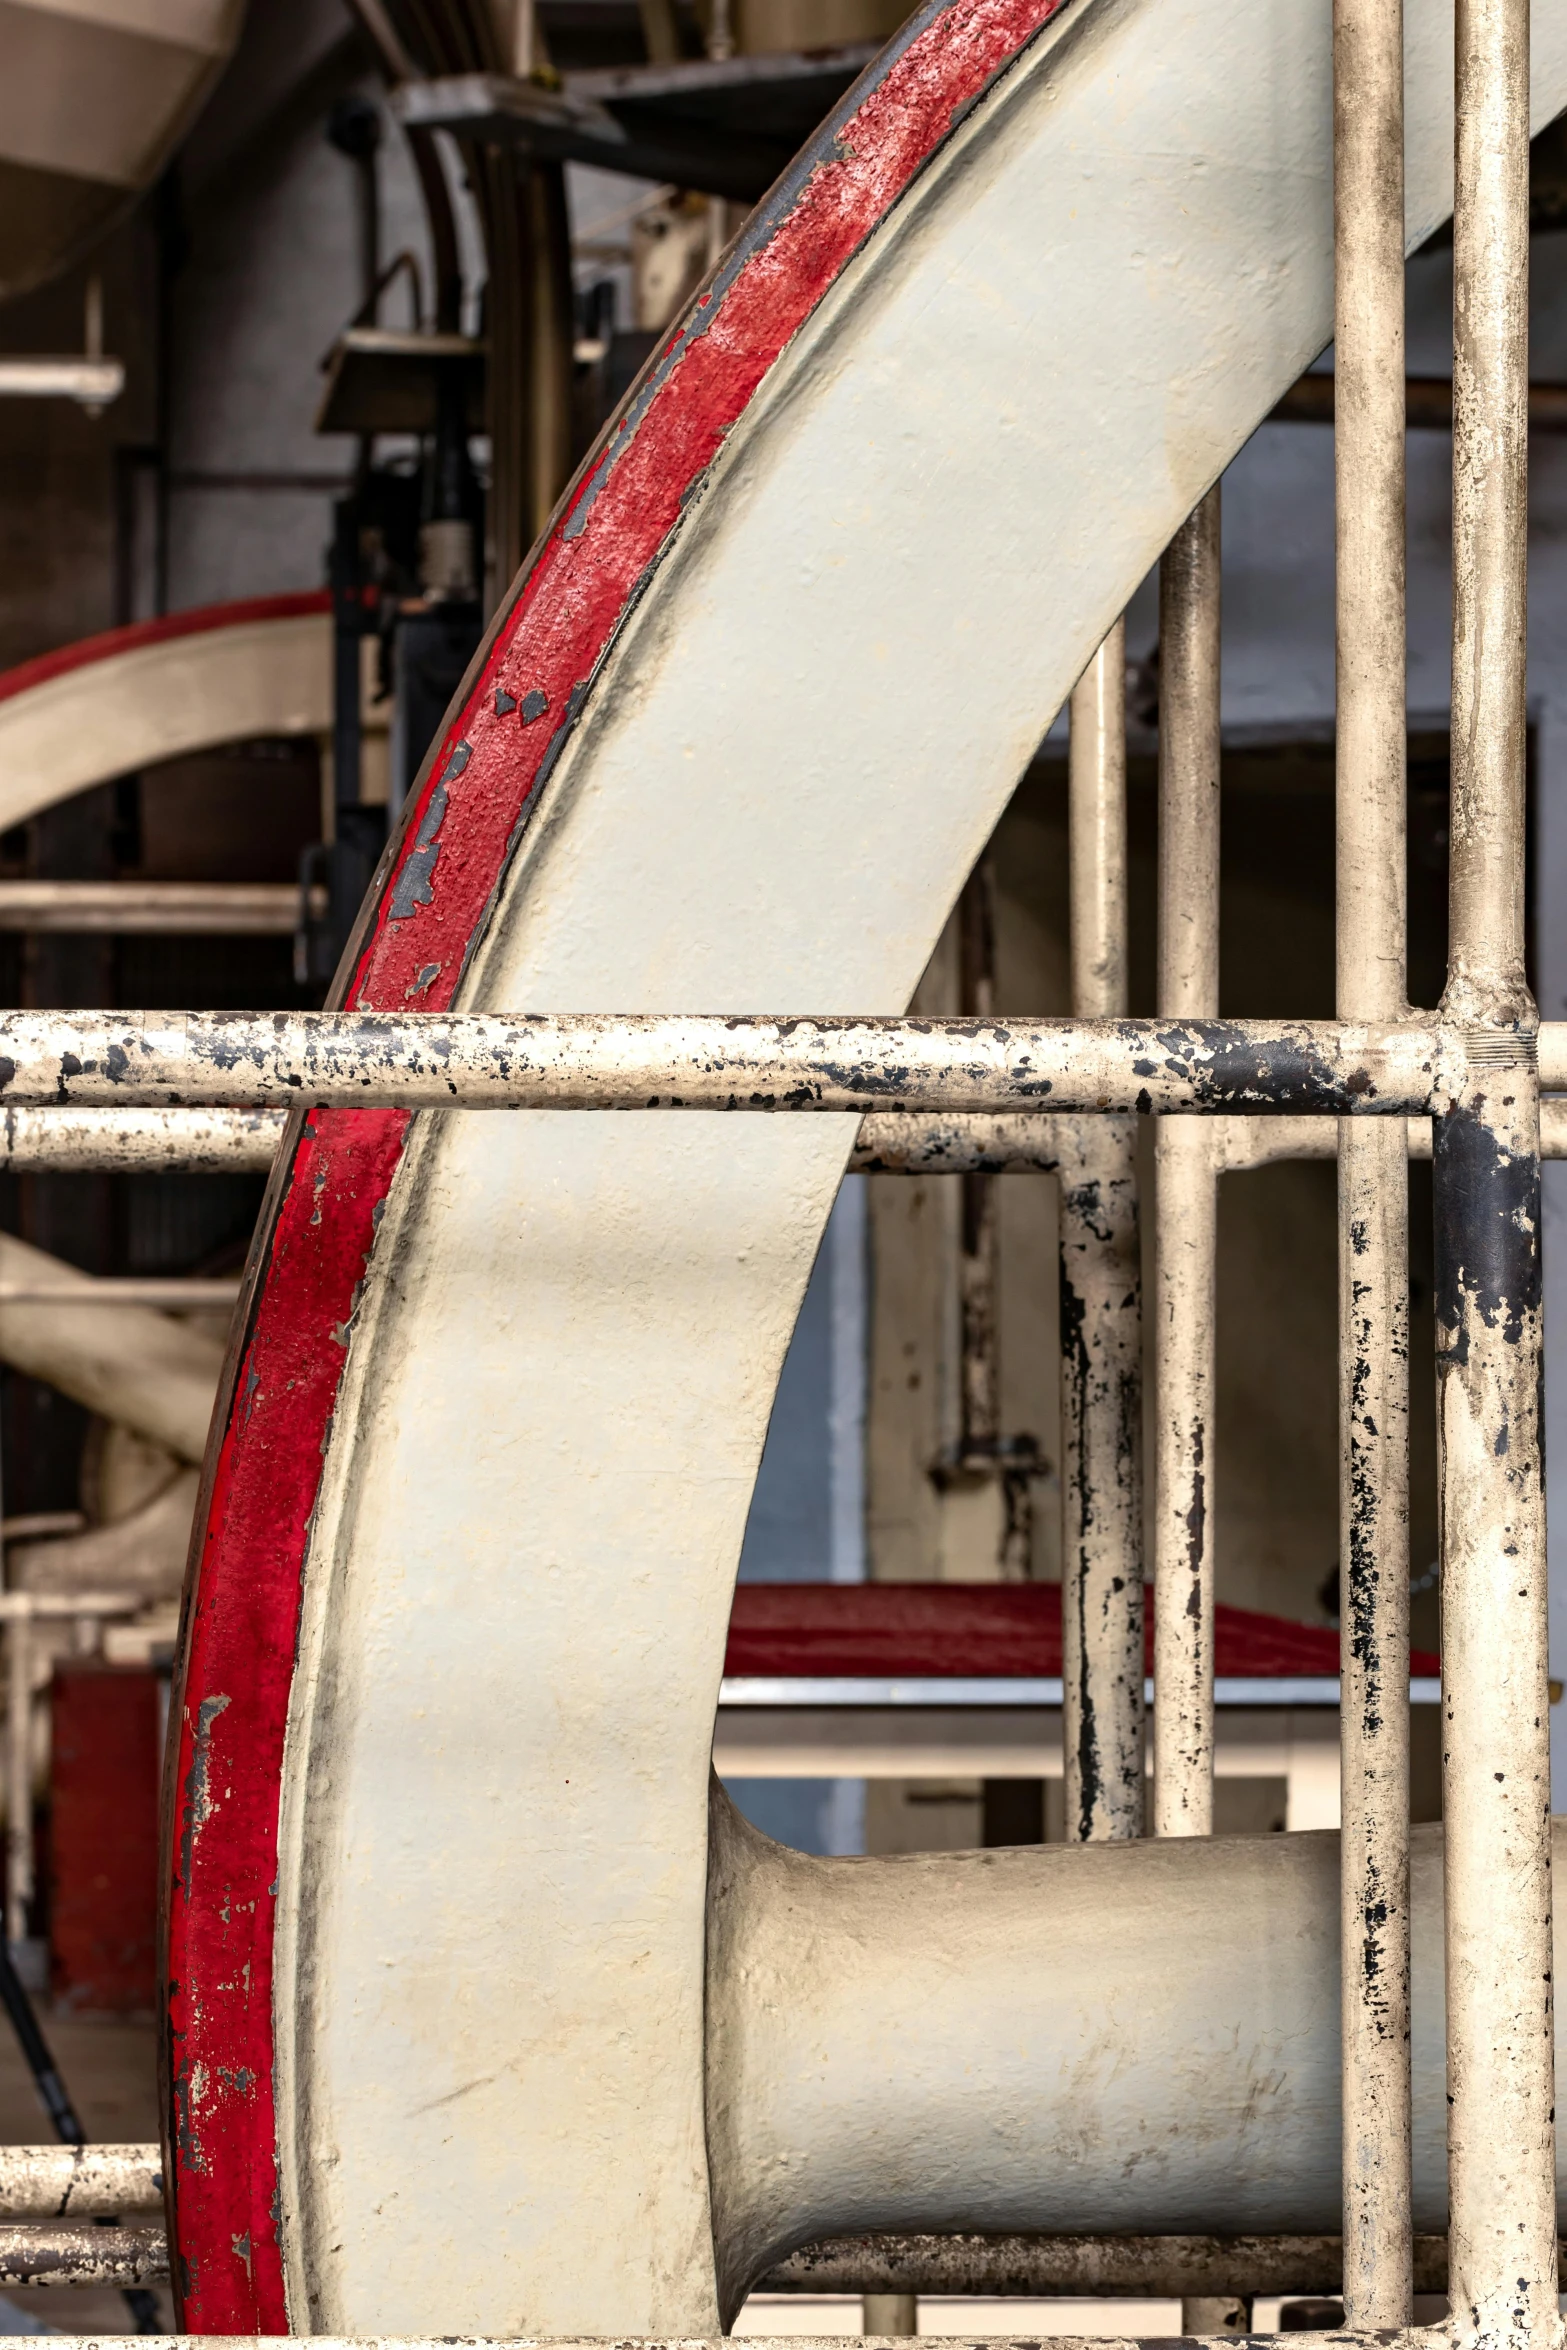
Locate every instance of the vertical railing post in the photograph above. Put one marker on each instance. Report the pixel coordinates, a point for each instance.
(1186, 1184)
(1496, 1784)
(1101, 1312)
(981, 1448)
(1373, 1214)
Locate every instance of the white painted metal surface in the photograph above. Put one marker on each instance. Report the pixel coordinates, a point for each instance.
(91, 383)
(560, 1369)
(903, 2039)
(157, 695)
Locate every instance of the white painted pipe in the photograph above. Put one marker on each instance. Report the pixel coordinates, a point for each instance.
(1186, 1184)
(1373, 1203)
(741, 1062)
(1496, 1744)
(126, 1363)
(1101, 1311)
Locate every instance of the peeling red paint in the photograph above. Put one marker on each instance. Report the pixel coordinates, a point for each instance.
(243, 1610)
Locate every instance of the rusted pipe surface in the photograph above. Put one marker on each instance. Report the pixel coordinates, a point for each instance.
(1186, 1184)
(1496, 1762)
(979, 1399)
(80, 2182)
(905, 1143)
(1187, 1193)
(1047, 2266)
(899, 1143)
(1373, 1215)
(1101, 1476)
(1100, 1315)
(83, 2256)
(739, 1062)
(1408, 2338)
(890, 1142)
(1374, 1716)
(109, 1141)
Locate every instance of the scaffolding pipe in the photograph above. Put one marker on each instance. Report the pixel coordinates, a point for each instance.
(798, 1062)
(1100, 1310)
(1496, 1758)
(1186, 1188)
(1373, 1202)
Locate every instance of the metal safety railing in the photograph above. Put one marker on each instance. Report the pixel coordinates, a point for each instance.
(982, 1094)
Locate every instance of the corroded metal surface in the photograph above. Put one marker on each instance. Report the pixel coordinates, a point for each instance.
(83, 2255)
(1373, 1203)
(898, 1142)
(1186, 1192)
(1408, 2338)
(652, 1061)
(1069, 2265)
(1101, 1477)
(1100, 1310)
(889, 1142)
(894, 1142)
(1374, 1715)
(197, 1142)
(1486, 1181)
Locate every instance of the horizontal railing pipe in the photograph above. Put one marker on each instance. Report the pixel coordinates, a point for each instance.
(78, 2182)
(1040, 2266)
(889, 1142)
(602, 1061)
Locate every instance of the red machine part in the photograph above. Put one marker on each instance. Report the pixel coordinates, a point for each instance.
(103, 1838)
(978, 1631)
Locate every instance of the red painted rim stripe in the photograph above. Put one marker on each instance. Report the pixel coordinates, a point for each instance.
(244, 1595)
(201, 620)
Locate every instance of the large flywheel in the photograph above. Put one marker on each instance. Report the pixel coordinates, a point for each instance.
(486, 2013)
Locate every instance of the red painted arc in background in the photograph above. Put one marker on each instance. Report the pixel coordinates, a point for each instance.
(200, 620)
(981, 1631)
(243, 1593)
